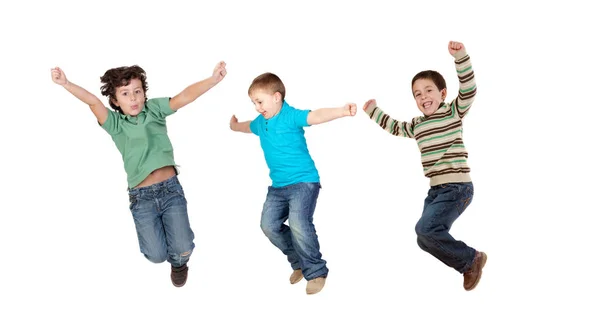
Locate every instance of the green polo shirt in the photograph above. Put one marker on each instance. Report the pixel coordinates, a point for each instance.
(142, 140)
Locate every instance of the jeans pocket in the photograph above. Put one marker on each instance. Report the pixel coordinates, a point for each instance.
(133, 201)
(176, 189)
(465, 198)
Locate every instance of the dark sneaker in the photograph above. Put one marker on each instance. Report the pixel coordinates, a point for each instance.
(472, 276)
(179, 275)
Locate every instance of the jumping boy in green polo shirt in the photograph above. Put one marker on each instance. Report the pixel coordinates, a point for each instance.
(138, 128)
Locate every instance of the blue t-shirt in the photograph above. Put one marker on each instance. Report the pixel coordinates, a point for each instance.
(283, 143)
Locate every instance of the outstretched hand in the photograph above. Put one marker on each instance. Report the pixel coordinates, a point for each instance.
(219, 72)
(454, 47)
(370, 105)
(350, 109)
(58, 76)
(232, 122)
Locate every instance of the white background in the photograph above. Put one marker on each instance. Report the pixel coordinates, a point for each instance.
(71, 257)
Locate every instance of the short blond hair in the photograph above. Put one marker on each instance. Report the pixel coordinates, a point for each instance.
(268, 82)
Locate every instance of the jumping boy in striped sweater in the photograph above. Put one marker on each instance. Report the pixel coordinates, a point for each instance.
(444, 158)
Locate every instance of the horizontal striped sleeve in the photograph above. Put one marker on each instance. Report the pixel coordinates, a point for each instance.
(467, 86)
(392, 126)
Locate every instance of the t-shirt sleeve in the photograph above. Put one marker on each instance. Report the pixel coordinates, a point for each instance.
(299, 117)
(159, 107)
(112, 125)
(255, 125)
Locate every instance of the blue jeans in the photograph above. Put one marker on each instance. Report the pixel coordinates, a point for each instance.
(298, 241)
(443, 205)
(161, 221)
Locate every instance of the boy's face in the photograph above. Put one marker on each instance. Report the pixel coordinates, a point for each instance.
(427, 96)
(266, 103)
(131, 97)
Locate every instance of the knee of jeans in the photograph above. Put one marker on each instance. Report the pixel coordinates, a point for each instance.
(421, 243)
(420, 230)
(158, 258)
(299, 231)
(269, 231)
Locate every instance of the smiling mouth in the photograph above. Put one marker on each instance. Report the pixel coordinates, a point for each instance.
(427, 104)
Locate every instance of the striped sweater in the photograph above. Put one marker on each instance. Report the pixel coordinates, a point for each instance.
(439, 136)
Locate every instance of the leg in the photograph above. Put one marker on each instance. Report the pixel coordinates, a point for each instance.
(179, 234)
(275, 212)
(150, 231)
(443, 206)
(303, 201)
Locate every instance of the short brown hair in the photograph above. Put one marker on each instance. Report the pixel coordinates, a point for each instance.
(269, 82)
(118, 77)
(433, 76)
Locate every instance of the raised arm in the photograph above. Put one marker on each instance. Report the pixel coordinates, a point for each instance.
(97, 107)
(466, 78)
(323, 115)
(239, 126)
(192, 92)
(392, 126)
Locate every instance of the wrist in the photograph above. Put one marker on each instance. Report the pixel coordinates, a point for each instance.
(460, 54)
(370, 109)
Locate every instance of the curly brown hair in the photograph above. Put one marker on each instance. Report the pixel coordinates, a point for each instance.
(118, 77)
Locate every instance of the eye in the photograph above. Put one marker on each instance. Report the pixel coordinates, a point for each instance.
(138, 91)
(124, 93)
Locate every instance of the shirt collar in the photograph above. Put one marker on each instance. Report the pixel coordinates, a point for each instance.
(134, 119)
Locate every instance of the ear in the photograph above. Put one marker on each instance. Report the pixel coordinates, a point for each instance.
(444, 92)
(277, 96)
(115, 102)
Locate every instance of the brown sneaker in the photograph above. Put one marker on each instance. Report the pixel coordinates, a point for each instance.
(296, 276)
(315, 285)
(472, 276)
(179, 275)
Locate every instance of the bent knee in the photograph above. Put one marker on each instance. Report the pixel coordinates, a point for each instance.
(421, 231)
(156, 258)
(269, 231)
(422, 242)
